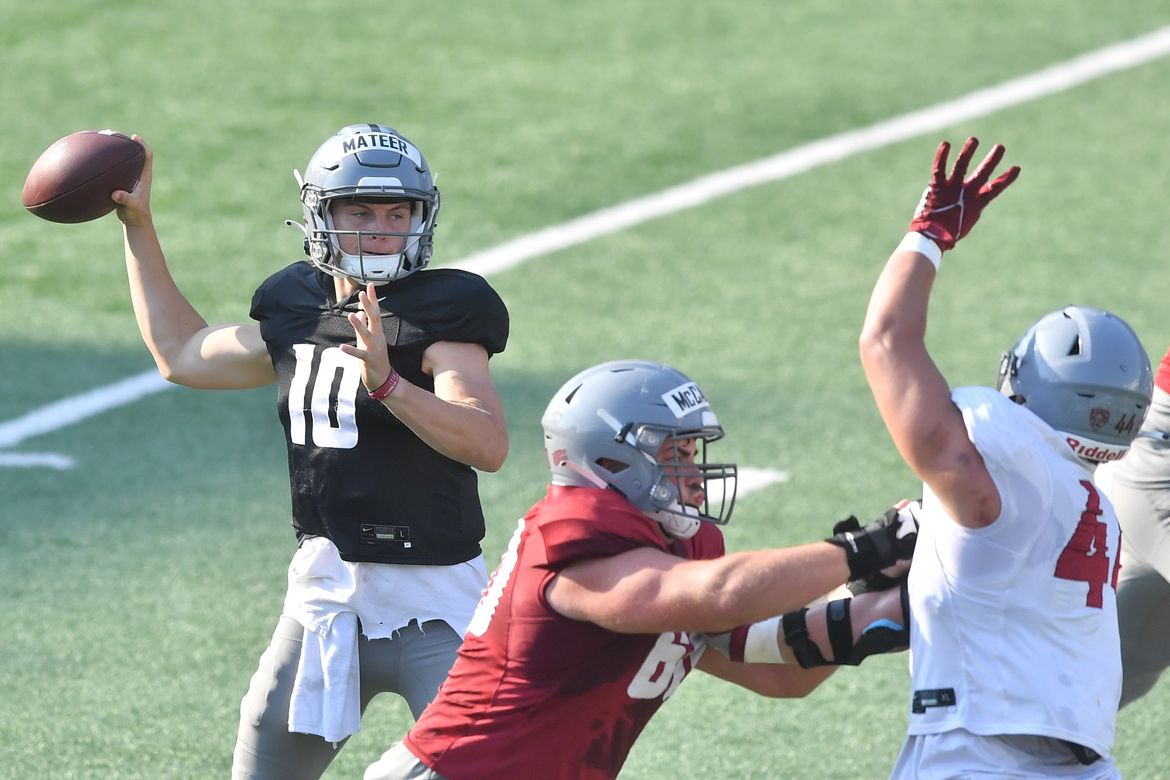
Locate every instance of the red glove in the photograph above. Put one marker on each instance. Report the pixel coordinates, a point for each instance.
(951, 206)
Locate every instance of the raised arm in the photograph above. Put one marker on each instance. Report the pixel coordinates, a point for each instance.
(911, 393)
(186, 350)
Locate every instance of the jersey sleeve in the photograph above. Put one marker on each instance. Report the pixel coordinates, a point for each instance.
(257, 312)
(454, 305)
(568, 540)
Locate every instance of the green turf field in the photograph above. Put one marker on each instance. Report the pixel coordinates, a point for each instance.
(140, 585)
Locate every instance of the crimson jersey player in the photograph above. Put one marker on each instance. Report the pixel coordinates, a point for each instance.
(599, 607)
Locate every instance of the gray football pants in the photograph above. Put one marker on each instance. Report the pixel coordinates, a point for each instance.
(412, 664)
(1139, 487)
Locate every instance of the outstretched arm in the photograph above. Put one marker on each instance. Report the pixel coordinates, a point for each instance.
(911, 393)
(186, 350)
(648, 590)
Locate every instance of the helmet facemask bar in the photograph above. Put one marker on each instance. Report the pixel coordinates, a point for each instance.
(669, 495)
(324, 239)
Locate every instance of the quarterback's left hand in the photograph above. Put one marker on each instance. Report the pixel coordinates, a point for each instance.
(371, 346)
(951, 205)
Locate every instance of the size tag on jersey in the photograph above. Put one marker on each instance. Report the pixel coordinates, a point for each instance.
(933, 697)
(383, 534)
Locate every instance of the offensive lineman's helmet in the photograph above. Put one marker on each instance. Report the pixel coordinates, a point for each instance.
(368, 162)
(605, 426)
(1084, 372)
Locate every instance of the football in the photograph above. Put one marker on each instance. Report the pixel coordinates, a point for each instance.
(74, 178)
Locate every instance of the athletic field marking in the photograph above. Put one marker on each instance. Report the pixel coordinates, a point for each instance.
(76, 408)
(1049, 81)
(748, 480)
(28, 460)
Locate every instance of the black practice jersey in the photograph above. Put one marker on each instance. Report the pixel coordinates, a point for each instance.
(359, 476)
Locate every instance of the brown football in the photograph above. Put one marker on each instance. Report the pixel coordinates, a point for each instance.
(74, 178)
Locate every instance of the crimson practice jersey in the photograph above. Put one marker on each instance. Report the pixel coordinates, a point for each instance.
(534, 694)
(359, 476)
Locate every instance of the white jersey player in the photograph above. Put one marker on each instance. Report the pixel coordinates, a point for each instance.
(1014, 661)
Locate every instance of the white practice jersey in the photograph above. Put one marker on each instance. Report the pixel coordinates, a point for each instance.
(1014, 626)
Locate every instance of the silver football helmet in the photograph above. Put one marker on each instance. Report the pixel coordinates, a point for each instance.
(606, 427)
(1084, 372)
(367, 162)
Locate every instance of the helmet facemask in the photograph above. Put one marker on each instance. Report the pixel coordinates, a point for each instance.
(679, 515)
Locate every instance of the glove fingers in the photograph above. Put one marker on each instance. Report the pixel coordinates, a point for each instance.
(983, 172)
(850, 523)
(940, 163)
(991, 191)
(964, 159)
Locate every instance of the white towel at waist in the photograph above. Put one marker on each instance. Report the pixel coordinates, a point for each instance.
(326, 692)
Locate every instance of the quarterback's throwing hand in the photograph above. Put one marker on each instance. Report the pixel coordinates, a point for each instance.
(951, 205)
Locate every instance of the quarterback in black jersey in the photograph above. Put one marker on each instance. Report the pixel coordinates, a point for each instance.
(388, 408)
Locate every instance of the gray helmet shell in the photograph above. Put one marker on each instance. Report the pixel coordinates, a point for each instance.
(369, 162)
(1084, 372)
(605, 426)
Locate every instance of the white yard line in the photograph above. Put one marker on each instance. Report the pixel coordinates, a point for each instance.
(30, 460)
(76, 408)
(1049, 81)
(749, 481)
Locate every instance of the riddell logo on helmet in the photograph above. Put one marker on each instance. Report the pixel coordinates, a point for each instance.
(1095, 451)
(1098, 418)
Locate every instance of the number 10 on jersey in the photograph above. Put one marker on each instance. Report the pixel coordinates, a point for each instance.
(332, 398)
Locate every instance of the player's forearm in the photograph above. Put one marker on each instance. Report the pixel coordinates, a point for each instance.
(895, 319)
(749, 587)
(466, 431)
(910, 392)
(166, 319)
(842, 631)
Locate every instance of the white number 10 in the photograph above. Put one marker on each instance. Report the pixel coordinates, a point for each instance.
(345, 434)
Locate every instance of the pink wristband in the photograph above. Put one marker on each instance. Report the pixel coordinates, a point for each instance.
(387, 387)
